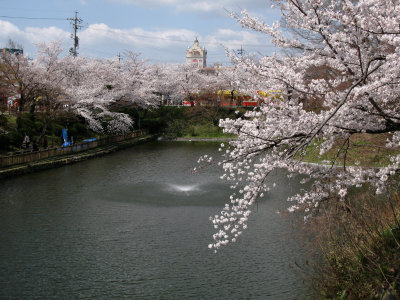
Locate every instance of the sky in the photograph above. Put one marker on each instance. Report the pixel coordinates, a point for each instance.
(160, 30)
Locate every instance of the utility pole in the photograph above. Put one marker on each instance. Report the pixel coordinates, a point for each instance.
(75, 25)
(240, 51)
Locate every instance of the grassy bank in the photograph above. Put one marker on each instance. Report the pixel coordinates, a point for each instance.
(358, 237)
(174, 122)
(361, 149)
(360, 244)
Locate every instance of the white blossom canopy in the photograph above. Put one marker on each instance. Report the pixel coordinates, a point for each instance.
(356, 46)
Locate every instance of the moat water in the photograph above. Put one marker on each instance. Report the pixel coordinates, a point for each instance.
(135, 225)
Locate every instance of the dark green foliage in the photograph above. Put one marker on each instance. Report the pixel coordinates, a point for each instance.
(170, 121)
(154, 125)
(3, 120)
(360, 242)
(15, 139)
(27, 124)
(38, 125)
(35, 125)
(175, 128)
(4, 141)
(173, 121)
(78, 130)
(56, 129)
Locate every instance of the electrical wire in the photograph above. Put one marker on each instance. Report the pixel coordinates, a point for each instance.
(33, 18)
(180, 40)
(145, 36)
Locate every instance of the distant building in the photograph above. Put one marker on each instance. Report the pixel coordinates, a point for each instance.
(13, 51)
(196, 56)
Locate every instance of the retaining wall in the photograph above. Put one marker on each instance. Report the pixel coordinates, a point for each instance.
(31, 156)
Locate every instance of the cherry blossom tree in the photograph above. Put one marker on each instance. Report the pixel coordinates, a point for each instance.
(169, 85)
(88, 87)
(22, 79)
(191, 82)
(91, 86)
(357, 44)
(51, 95)
(139, 81)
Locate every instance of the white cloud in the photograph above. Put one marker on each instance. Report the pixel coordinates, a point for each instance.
(10, 32)
(169, 41)
(7, 28)
(167, 45)
(134, 37)
(233, 39)
(162, 45)
(199, 6)
(48, 34)
(30, 36)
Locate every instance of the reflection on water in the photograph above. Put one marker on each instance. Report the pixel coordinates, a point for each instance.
(135, 225)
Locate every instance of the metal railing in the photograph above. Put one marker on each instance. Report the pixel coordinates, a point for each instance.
(31, 156)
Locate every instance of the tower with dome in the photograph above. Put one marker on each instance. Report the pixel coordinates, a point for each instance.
(196, 56)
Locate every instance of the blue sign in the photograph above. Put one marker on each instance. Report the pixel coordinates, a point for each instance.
(65, 138)
(65, 135)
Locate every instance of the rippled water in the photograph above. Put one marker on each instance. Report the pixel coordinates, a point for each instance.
(135, 225)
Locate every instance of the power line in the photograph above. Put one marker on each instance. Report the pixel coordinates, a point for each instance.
(33, 18)
(78, 21)
(76, 26)
(180, 40)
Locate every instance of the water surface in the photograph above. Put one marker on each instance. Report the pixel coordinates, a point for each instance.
(135, 225)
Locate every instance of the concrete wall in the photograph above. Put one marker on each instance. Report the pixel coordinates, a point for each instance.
(27, 157)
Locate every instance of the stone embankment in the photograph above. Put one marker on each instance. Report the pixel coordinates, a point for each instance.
(71, 156)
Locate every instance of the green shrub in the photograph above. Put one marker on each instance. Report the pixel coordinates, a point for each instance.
(38, 125)
(57, 129)
(360, 243)
(3, 120)
(4, 141)
(154, 125)
(78, 130)
(27, 125)
(205, 130)
(192, 131)
(176, 128)
(15, 139)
